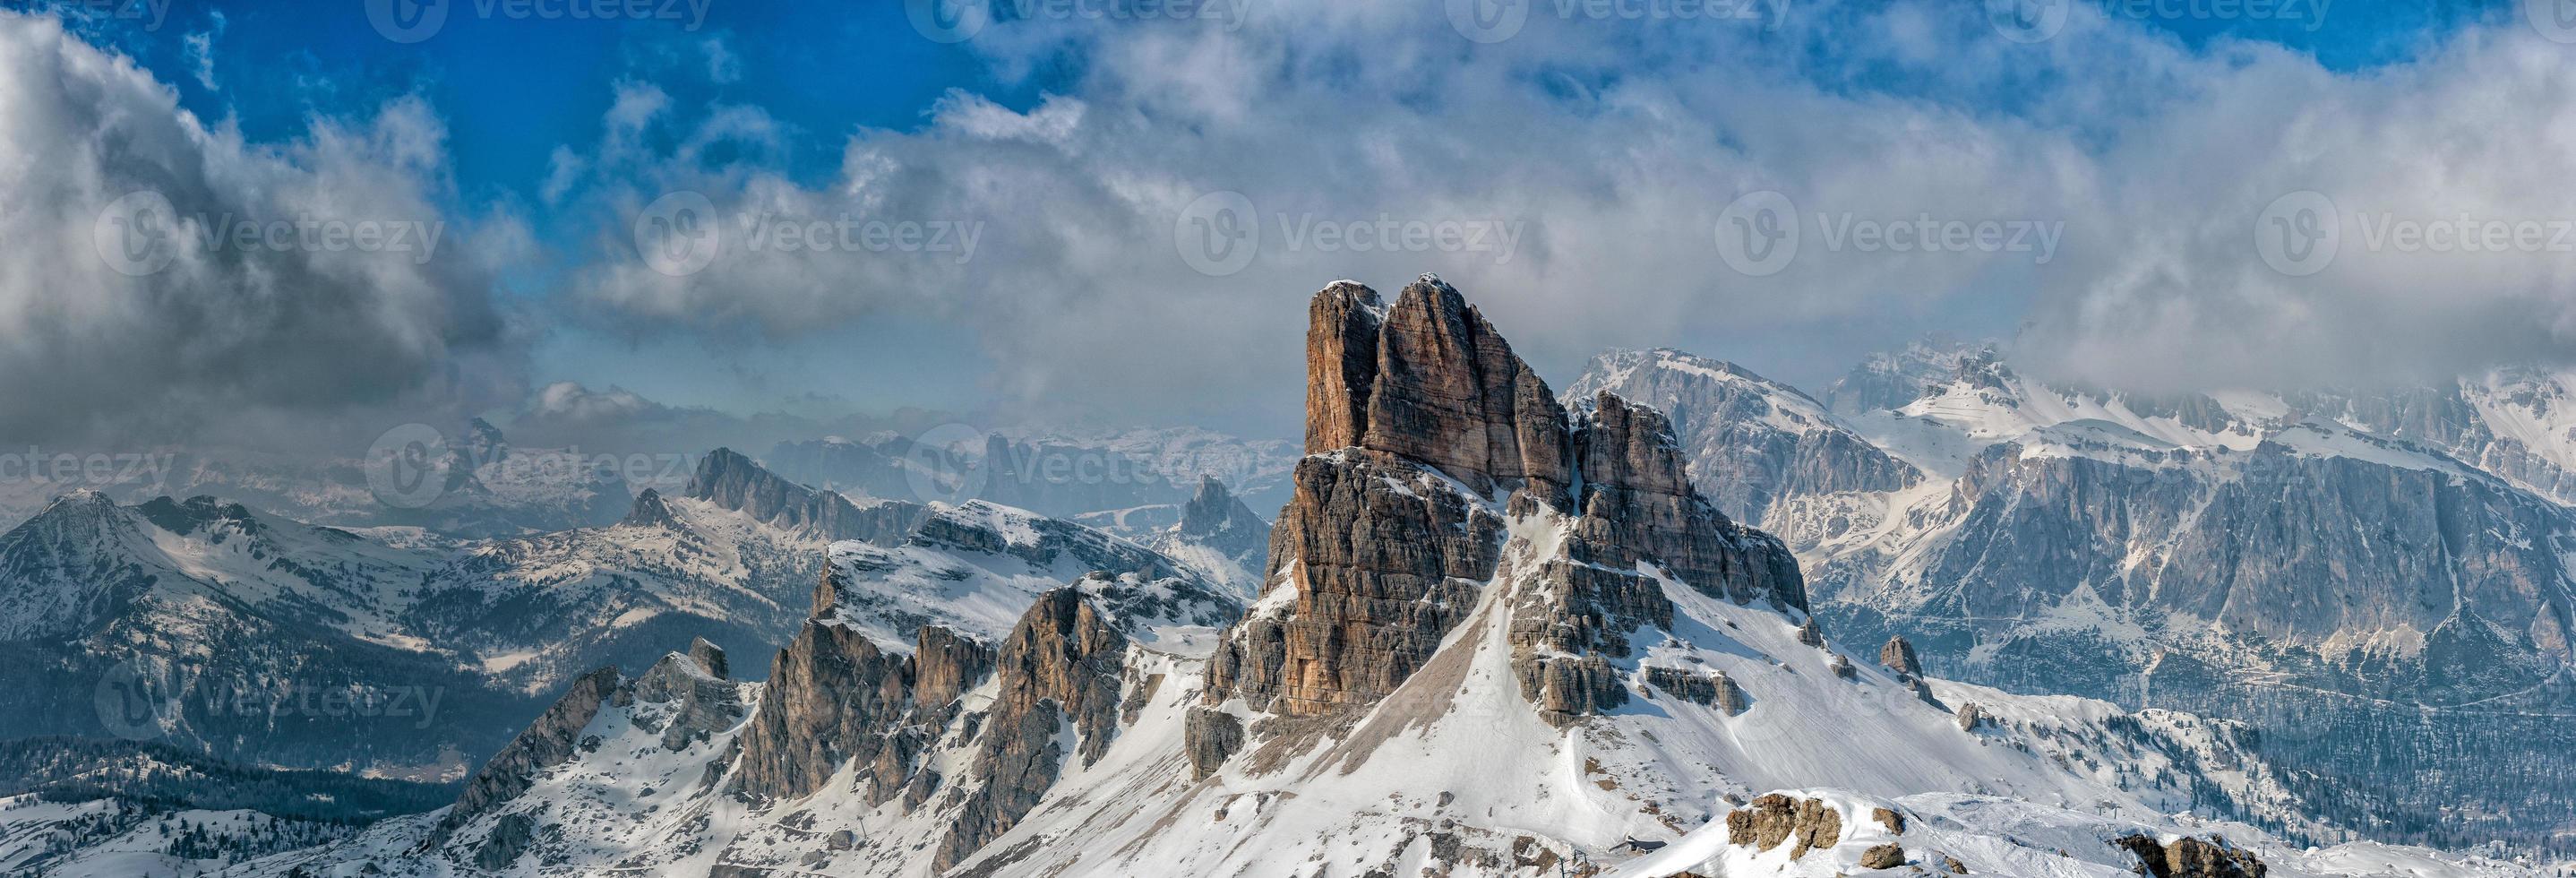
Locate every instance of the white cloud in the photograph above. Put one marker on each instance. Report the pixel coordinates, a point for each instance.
(130, 307)
(1614, 148)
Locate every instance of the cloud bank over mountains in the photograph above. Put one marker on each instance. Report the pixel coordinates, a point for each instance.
(2134, 209)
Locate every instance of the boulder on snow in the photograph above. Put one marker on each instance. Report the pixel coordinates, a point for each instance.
(1886, 856)
(1775, 818)
(2189, 857)
(1898, 655)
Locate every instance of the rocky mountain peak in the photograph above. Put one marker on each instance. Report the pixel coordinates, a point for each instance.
(194, 513)
(649, 510)
(1428, 379)
(1216, 518)
(730, 480)
(710, 658)
(483, 443)
(1381, 551)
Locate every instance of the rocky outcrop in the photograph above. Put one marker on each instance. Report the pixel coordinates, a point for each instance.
(1427, 379)
(1898, 656)
(1810, 633)
(2189, 857)
(834, 697)
(1061, 669)
(1638, 505)
(1211, 738)
(1382, 559)
(1730, 697)
(1773, 819)
(1885, 856)
(710, 658)
(649, 510)
(728, 479)
(1690, 686)
(511, 836)
(1751, 442)
(548, 742)
(1215, 519)
(1419, 418)
(689, 696)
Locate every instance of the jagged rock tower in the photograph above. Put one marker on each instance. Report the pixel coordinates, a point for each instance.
(1427, 441)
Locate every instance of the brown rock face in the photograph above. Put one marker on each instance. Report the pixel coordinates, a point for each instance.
(1886, 856)
(2189, 857)
(1686, 685)
(1384, 561)
(1341, 365)
(1898, 656)
(1638, 505)
(1775, 818)
(1213, 738)
(834, 697)
(1385, 556)
(1428, 379)
(1062, 666)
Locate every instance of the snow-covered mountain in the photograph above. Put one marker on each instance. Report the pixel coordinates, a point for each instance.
(400, 652)
(1498, 635)
(1124, 478)
(476, 484)
(254, 637)
(2379, 583)
(1750, 440)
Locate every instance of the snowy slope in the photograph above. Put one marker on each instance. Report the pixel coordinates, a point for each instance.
(1454, 761)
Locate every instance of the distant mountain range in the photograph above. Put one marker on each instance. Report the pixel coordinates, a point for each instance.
(1497, 634)
(2378, 581)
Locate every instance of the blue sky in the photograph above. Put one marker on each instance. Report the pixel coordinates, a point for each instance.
(1604, 147)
